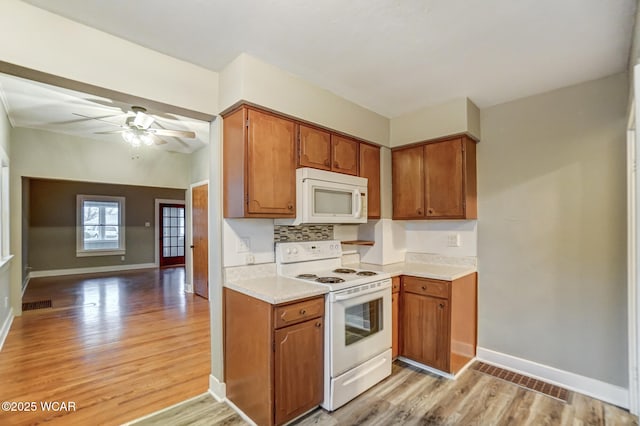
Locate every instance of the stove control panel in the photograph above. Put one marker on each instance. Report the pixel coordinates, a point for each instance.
(302, 251)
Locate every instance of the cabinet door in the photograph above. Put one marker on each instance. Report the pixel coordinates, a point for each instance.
(370, 169)
(314, 148)
(425, 330)
(344, 157)
(394, 325)
(444, 179)
(408, 183)
(299, 364)
(271, 165)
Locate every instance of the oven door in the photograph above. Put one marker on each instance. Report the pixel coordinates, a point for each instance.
(360, 325)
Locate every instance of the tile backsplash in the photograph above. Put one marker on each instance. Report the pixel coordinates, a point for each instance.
(283, 233)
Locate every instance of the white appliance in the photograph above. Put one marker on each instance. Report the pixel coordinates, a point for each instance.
(357, 316)
(328, 197)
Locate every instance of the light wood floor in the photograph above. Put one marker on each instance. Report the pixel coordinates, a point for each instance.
(120, 347)
(413, 397)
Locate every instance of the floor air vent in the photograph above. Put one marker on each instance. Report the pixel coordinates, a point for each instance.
(545, 388)
(40, 304)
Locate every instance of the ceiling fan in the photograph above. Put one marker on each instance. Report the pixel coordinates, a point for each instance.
(137, 129)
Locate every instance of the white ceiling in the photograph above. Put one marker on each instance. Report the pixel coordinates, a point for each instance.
(391, 56)
(41, 106)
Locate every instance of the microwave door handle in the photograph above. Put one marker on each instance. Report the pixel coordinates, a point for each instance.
(358, 204)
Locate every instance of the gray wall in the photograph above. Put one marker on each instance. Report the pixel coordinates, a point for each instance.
(552, 229)
(52, 223)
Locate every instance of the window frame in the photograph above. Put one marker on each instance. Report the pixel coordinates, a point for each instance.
(81, 251)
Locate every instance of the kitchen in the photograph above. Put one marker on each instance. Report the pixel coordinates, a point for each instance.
(537, 223)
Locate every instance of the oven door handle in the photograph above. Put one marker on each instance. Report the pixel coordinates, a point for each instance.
(346, 296)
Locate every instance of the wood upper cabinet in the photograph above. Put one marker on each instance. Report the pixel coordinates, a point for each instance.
(258, 164)
(439, 321)
(344, 155)
(298, 358)
(407, 177)
(448, 171)
(370, 169)
(273, 357)
(314, 148)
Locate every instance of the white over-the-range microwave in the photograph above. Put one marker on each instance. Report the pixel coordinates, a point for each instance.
(328, 197)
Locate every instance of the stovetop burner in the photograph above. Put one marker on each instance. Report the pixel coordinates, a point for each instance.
(329, 280)
(344, 271)
(366, 273)
(307, 276)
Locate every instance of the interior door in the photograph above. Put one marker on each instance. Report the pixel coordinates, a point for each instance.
(171, 234)
(200, 245)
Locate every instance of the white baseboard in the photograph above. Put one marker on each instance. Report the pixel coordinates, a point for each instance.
(6, 326)
(217, 388)
(594, 388)
(75, 271)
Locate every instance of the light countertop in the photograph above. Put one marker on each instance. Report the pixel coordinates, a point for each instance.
(276, 289)
(423, 270)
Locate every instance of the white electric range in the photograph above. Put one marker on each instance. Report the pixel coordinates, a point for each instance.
(358, 317)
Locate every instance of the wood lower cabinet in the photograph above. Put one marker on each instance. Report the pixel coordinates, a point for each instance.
(273, 356)
(435, 180)
(439, 321)
(395, 318)
(370, 169)
(259, 164)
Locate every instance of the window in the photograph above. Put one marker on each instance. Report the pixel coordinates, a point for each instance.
(100, 230)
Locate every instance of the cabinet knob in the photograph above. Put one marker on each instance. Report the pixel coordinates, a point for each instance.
(430, 211)
(424, 287)
(318, 324)
(327, 163)
(290, 206)
(419, 211)
(303, 312)
(441, 305)
(335, 163)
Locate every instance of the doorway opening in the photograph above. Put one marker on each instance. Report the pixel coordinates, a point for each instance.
(172, 229)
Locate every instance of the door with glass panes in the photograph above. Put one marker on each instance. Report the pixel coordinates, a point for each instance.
(171, 234)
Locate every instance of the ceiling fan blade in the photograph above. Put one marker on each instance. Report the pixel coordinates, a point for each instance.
(173, 133)
(142, 120)
(158, 141)
(112, 132)
(97, 119)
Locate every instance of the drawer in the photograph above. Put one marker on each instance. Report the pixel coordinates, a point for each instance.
(395, 284)
(298, 312)
(426, 287)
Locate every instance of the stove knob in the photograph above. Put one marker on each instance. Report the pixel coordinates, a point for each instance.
(295, 251)
(288, 251)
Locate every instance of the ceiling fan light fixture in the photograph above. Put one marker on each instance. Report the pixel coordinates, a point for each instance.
(128, 136)
(147, 139)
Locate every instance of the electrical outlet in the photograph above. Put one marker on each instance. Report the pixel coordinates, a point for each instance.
(243, 244)
(122, 258)
(453, 240)
(6, 301)
(250, 259)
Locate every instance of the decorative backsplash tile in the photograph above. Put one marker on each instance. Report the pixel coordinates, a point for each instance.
(283, 233)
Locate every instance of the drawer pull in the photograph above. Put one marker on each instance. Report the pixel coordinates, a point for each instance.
(318, 324)
(303, 312)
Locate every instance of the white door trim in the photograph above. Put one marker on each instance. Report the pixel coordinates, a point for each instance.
(633, 239)
(157, 226)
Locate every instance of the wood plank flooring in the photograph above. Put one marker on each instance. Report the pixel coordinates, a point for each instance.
(411, 396)
(120, 347)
